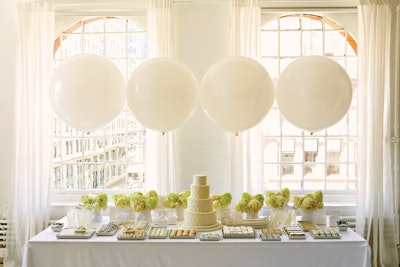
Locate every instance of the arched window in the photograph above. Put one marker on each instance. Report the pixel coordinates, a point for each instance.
(112, 156)
(298, 159)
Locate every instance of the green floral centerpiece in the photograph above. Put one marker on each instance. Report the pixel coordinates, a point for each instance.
(140, 202)
(310, 201)
(278, 200)
(249, 203)
(280, 214)
(121, 201)
(221, 201)
(176, 200)
(95, 203)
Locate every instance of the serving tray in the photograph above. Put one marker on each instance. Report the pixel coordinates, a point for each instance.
(294, 232)
(69, 233)
(270, 237)
(238, 231)
(132, 235)
(210, 237)
(182, 234)
(307, 225)
(107, 229)
(325, 234)
(157, 232)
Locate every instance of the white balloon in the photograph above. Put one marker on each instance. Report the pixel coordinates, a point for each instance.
(314, 93)
(162, 93)
(87, 91)
(236, 93)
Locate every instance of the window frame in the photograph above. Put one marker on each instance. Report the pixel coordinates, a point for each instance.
(68, 23)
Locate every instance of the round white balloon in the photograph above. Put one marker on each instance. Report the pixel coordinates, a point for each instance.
(314, 93)
(87, 91)
(162, 93)
(236, 93)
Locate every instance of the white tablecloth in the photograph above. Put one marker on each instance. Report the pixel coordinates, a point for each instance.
(46, 250)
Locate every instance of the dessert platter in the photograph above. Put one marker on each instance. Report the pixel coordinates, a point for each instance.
(238, 231)
(276, 231)
(108, 229)
(257, 223)
(325, 234)
(270, 237)
(157, 232)
(307, 225)
(294, 232)
(132, 235)
(79, 232)
(210, 237)
(134, 231)
(182, 234)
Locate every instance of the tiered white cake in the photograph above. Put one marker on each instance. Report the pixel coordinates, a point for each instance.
(199, 214)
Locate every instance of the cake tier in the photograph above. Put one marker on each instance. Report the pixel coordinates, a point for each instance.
(200, 191)
(193, 218)
(200, 205)
(200, 179)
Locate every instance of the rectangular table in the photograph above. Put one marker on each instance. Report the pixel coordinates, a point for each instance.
(46, 250)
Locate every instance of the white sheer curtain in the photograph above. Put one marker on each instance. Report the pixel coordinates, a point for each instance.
(245, 169)
(375, 207)
(33, 117)
(160, 148)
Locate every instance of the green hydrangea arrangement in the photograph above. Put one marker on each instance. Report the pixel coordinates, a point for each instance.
(221, 201)
(143, 202)
(277, 200)
(95, 203)
(121, 200)
(176, 200)
(249, 203)
(183, 196)
(309, 201)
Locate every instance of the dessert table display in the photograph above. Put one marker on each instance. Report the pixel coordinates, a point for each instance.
(144, 244)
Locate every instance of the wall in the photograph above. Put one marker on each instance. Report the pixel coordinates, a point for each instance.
(201, 144)
(8, 35)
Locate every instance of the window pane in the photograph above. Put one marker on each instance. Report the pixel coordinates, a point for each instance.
(93, 26)
(312, 43)
(314, 176)
(115, 45)
(335, 43)
(290, 43)
(311, 22)
(270, 39)
(290, 23)
(71, 45)
(272, 66)
(115, 25)
(137, 45)
(351, 63)
(93, 44)
(271, 123)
